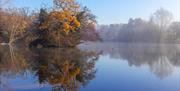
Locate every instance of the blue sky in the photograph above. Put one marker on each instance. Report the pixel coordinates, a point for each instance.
(115, 11)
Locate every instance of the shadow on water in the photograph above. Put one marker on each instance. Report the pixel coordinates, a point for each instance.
(62, 69)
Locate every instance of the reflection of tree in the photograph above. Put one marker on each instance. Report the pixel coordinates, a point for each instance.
(65, 69)
(160, 58)
(162, 67)
(13, 62)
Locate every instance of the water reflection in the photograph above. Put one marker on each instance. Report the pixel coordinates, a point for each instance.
(63, 69)
(13, 63)
(162, 59)
(70, 69)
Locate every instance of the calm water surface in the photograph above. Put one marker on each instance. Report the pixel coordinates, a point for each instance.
(91, 67)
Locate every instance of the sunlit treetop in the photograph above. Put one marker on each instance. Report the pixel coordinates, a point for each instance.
(63, 17)
(70, 5)
(68, 22)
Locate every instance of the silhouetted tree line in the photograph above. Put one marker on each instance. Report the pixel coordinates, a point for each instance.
(159, 29)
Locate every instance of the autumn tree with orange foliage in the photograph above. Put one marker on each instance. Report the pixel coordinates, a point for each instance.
(63, 26)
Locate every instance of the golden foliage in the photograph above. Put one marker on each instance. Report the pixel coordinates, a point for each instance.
(63, 21)
(63, 17)
(69, 72)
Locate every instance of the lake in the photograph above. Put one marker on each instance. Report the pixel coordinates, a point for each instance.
(91, 67)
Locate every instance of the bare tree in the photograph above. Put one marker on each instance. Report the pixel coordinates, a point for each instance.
(162, 18)
(15, 23)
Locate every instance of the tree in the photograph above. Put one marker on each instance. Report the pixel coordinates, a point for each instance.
(65, 15)
(175, 33)
(15, 23)
(162, 18)
(90, 33)
(3, 3)
(63, 26)
(60, 25)
(63, 5)
(88, 25)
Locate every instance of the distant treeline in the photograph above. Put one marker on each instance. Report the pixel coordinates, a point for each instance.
(159, 29)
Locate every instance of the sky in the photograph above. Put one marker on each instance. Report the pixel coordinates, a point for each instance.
(115, 11)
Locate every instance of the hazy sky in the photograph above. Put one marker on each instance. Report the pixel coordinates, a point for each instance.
(116, 11)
